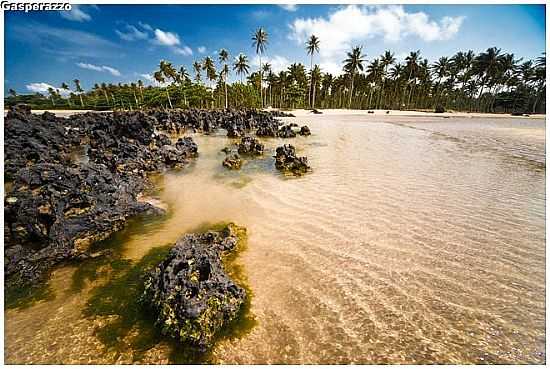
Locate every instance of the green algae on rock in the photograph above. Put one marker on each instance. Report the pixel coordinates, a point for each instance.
(190, 290)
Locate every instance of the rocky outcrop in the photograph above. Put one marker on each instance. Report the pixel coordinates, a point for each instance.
(279, 113)
(286, 132)
(305, 131)
(287, 161)
(250, 146)
(232, 161)
(55, 211)
(190, 291)
(55, 206)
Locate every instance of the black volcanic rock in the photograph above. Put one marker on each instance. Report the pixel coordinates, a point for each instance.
(304, 131)
(190, 291)
(233, 161)
(287, 161)
(250, 146)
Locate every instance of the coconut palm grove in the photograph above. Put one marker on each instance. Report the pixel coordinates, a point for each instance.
(490, 81)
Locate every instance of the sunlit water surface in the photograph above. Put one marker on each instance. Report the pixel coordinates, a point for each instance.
(414, 240)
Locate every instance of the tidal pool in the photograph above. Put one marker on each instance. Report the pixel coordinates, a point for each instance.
(413, 240)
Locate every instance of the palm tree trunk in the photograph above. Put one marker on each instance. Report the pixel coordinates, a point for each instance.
(351, 90)
(81, 101)
(225, 87)
(310, 79)
(169, 101)
(313, 101)
(261, 92)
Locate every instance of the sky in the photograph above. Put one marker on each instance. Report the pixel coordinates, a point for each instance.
(124, 43)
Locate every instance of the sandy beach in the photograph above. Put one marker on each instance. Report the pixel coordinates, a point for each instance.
(342, 112)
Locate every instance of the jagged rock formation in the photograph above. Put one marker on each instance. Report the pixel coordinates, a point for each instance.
(233, 161)
(287, 161)
(250, 146)
(304, 131)
(190, 290)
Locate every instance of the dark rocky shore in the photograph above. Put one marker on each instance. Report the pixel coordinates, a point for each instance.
(71, 182)
(56, 206)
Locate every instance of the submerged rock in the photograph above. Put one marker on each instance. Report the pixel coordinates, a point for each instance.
(287, 161)
(286, 132)
(250, 146)
(190, 290)
(304, 131)
(279, 113)
(233, 161)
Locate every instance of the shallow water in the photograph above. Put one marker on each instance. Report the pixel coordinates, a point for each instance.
(414, 240)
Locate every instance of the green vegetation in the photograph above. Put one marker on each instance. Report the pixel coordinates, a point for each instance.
(491, 81)
(128, 325)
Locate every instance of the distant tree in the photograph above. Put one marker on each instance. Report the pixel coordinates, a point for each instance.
(353, 64)
(312, 47)
(79, 89)
(259, 41)
(241, 66)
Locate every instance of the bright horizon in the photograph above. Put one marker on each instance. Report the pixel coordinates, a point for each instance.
(124, 43)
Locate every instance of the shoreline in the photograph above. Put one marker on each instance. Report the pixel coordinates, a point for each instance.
(340, 112)
(407, 113)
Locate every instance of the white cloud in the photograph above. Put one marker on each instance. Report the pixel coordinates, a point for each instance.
(201, 49)
(152, 81)
(352, 24)
(185, 50)
(76, 14)
(97, 68)
(113, 71)
(132, 34)
(166, 38)
(278, 62)
(145, 26)
(42, 87)
(289, 7)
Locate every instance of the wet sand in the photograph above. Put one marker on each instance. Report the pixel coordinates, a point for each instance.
(414, 240)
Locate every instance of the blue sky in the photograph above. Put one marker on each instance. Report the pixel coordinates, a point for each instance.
(123, 43)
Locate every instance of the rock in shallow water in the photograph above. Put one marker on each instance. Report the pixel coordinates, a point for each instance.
(250, 146)
(305, 131)
(233, 161)
(190, 290)
(287, 161)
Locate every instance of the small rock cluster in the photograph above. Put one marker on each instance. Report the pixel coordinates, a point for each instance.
(233, 161)
(250, 146)
(287, 161)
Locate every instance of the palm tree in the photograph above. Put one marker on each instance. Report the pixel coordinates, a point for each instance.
(167, 72)
(266, 69)
(352, 64)
(51, 92)
(79, 90)
(241, 65)
(223, 57)
(140, 86)
(259, 41)
(386, 60)
(198, 68)
(12, 92)
(440, 69)
(412, 66)
(209, 67)
(312, 47)
(315, 79)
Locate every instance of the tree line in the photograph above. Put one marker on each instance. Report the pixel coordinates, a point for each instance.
(490, 81)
